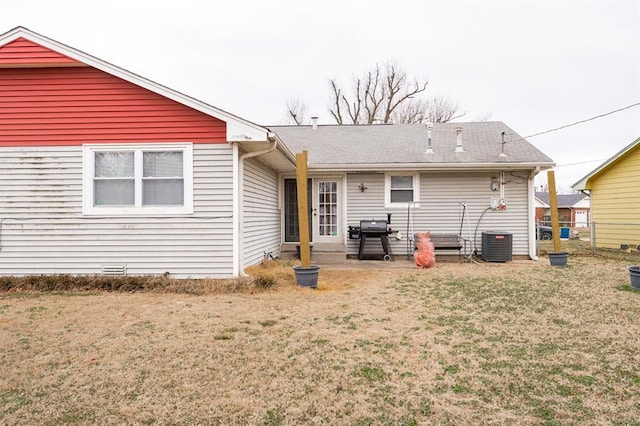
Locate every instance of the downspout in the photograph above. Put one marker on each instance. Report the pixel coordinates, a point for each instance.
(271, 137)
(532, 214)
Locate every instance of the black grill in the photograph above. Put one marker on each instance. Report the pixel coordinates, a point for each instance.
(372, 229)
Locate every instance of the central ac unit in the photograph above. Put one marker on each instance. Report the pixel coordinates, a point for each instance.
(497, 246)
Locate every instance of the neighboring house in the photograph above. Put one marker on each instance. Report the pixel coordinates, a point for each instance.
(541, 208)
(615, 206)
(573, 209)
(104, 171)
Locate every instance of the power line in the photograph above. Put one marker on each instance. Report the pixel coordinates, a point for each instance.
(581, 162)
(579, 122)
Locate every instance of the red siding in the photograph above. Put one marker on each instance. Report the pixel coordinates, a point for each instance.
(23, 52)
(72, 106)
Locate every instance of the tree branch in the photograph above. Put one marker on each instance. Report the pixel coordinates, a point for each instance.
(296, 111)
(387, 94)
(336, 96)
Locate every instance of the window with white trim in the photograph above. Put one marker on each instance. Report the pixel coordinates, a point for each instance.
(138, 179)
(401, 189)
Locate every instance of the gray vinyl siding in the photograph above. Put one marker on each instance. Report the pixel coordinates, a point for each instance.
(440, 210)
(260, 213)
(367, 205)
(43, 230)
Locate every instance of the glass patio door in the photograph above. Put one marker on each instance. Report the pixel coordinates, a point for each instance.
(326, 211)
(291, 224)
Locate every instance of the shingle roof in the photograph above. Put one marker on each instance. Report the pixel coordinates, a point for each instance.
(564, 200)
(407, 144)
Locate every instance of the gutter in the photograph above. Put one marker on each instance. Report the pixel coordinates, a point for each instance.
(428, 166)
(273, 139)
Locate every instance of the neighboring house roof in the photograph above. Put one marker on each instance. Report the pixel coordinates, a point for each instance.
(405, 146)
(238, 129)
(582, 183)
(564, 200)
(540, 204)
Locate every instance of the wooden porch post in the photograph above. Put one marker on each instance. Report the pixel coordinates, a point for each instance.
(303, 218)
(553, 204)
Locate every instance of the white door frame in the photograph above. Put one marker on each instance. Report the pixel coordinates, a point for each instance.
(337, 210)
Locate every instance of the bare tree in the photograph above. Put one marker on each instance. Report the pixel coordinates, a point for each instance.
(296, 112)
(336, 96)
(437, 109)
(483, 116)
(441, 109)
(383, 94)
(411, 112)
(374, 96)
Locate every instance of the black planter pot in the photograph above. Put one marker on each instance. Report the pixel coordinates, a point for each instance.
(634, 275)
(559, 258)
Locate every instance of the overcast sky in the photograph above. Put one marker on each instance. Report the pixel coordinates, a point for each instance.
(535, 65)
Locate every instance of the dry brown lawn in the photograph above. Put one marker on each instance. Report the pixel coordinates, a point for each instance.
(518, 343)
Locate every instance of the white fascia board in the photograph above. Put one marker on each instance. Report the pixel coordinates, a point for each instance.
(429, 166)
(14, 34)
(581, 185)
(238, 129)
(240, 132)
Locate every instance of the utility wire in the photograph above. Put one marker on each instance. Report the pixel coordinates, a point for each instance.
(578, 122)
(581, 162)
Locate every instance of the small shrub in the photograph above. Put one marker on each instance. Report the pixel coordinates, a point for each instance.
(265, 281)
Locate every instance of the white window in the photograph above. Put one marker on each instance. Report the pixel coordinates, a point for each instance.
(138, 179)
(401, 189)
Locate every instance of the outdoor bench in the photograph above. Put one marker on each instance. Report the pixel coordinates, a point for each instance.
(444, 241)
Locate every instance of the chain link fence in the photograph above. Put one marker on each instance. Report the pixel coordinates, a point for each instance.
(615, 235)
(600, 235)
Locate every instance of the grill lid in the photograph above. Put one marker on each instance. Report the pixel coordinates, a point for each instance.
(373, 226)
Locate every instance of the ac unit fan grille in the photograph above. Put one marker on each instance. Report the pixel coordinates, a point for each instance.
(497, 246)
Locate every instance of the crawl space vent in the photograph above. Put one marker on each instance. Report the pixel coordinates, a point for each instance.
(114, 270)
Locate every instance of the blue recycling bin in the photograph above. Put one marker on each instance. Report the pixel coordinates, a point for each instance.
(564, 233)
